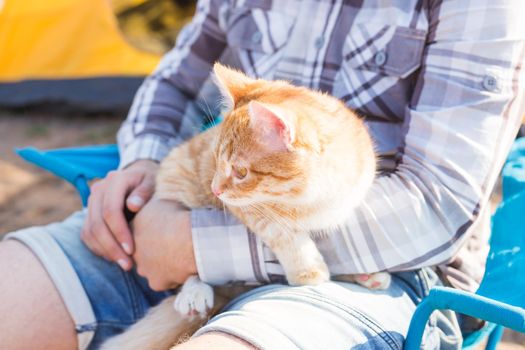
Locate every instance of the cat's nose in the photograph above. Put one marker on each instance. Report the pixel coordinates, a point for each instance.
(217, 192)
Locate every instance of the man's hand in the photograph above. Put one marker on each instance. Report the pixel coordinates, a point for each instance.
(164, 247)
(106, 231)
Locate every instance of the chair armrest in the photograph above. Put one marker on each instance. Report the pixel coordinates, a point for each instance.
(444, 298)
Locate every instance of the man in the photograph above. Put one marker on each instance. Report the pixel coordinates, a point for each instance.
(442, 89)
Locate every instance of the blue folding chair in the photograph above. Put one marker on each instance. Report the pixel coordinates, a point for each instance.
(500, 299)
(76, 165)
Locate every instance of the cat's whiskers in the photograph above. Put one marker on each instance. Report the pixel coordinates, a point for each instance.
(292, 215)
(208, 113)
(272, 217)
(223, 211)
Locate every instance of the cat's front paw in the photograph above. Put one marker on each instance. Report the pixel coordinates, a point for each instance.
(378, 280)
(195, 298)
(310, 276)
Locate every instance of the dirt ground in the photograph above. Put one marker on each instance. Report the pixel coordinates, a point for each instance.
(30, 196)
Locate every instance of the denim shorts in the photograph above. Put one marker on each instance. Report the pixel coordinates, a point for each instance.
(103, 301)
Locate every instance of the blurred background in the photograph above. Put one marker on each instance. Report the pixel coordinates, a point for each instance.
(68, 73)
(83, 56)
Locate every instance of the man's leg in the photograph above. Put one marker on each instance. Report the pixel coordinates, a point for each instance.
(33, 313)
(329, 316)
(57, 294)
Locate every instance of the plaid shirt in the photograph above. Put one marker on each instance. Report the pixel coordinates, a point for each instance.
(439, 82)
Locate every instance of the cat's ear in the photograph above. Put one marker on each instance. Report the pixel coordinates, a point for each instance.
(272, 127)
(231, 83)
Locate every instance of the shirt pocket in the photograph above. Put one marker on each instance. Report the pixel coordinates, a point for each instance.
(258, 30)
(385, 49)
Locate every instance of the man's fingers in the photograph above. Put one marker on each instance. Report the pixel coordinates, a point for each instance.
(112, 250)
(86, 235)
(106, 230)
(141, 194)
(113, 214)
(100, 236)
(90, 241)
(135, 202)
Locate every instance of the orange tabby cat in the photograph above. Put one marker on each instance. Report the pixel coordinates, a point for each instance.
(286, 161)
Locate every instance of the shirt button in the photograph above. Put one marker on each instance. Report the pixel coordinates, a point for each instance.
(490, 83)
(380, 58)
(319, 42)
(256, 37)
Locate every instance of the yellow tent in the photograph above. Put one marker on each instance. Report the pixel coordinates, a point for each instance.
(67, 51)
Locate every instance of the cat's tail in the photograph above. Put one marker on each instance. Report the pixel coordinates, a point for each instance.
(160, 329)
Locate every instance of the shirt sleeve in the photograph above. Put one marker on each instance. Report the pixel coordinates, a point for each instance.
(465, 111)
(157, 120)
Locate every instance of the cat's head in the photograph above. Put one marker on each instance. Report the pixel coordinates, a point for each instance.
(265, 152)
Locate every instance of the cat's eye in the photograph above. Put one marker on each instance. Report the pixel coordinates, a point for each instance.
(240, 172)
